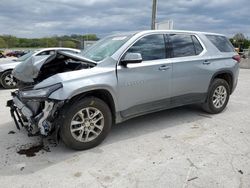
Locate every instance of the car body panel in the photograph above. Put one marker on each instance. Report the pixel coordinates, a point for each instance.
(144, 81)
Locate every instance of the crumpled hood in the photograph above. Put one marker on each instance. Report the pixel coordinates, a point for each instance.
(29, 70)
(74, 75)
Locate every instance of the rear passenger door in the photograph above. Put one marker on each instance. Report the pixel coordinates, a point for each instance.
(191, 73)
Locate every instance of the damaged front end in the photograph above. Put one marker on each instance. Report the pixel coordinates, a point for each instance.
(33, 110)
(31, 106)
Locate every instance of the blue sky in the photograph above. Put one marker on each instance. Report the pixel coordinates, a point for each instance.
(40, 18)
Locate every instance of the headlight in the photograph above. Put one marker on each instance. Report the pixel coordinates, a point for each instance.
(40, 93)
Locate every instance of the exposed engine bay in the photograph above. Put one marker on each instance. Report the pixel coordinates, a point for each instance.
(34, 71)
(60, 63)
(31, 108)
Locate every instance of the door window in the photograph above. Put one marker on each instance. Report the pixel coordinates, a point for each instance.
(182, 45)
(197, 45)
(151, 47)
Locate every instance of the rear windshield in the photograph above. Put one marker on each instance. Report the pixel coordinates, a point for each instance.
(221, 43)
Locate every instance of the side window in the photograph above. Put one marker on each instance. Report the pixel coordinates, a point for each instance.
(182, 45)
(197, 45)
(49, 52)
(151, 47)
(221, 43)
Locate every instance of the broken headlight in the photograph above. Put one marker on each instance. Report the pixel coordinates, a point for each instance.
(41, 92)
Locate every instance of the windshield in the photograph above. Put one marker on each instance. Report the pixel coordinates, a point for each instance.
(26, 56)
(105, 47)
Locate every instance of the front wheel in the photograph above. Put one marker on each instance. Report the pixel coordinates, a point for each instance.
(86, 123)
(218, 96)
(8, 81)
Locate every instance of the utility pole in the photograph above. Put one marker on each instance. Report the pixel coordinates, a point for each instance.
(154, 8)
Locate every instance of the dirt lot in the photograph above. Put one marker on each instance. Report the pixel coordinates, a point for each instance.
(183, 147)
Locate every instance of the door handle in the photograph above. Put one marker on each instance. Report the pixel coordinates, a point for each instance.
(206, 62)
(164, 67)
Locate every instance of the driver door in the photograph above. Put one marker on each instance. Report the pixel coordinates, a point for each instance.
(145, 86)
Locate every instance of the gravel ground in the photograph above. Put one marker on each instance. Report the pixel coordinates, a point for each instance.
(182, 147)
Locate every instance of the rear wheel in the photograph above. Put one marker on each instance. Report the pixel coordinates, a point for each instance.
(218, 96)
(8, 81)
(86, 123)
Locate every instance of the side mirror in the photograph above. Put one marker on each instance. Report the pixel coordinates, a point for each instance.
(131, 58)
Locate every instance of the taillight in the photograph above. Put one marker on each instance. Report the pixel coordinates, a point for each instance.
(236, 58)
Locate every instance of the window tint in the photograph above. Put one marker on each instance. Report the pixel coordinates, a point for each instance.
(151, 47)
(182, 45)
(221, 43)
(197, 46)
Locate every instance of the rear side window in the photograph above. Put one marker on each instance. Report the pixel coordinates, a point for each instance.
(197, 46)
(221, 43)
(182, 45)
(151, 47)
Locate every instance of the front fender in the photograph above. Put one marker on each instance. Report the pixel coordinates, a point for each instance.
(105, 81)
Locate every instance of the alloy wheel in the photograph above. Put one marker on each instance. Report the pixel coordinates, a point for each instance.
(219, 96)
(87, 124)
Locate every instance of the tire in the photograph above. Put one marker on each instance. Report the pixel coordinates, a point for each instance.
(8, 81)
(77, 139)
(220, 90)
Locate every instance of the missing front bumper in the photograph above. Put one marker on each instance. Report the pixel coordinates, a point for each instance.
(41, 122)
(15, 114)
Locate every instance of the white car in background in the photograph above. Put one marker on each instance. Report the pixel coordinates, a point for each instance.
(6, 67)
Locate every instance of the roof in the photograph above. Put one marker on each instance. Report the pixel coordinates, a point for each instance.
(165, 31)
(179, 31)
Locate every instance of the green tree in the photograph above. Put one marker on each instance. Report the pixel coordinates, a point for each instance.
(2, 43)
(240, 41)
(90, 37)
(11, 41)
(239, 37)
(69, 44)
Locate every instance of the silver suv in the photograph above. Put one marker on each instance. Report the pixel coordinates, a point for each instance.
(78, 98)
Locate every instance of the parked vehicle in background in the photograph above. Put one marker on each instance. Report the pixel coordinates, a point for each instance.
(121, 77)
(16, 53)
(6, 78)
(2, 55)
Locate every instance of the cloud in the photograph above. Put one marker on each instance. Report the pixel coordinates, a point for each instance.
(40, 18)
